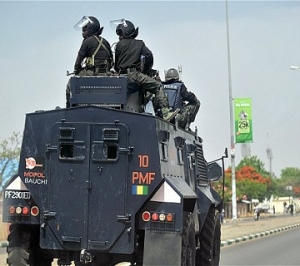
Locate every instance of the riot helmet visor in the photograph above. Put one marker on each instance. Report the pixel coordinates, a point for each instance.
(115, 23)
(83, 22)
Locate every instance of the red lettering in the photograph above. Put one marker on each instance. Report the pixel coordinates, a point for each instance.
(135, 176)
(139, 178)
(151, 177)
(34, 174)
(143, 161)
(142, 179)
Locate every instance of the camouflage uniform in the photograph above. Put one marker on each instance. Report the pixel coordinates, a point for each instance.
(151, 85)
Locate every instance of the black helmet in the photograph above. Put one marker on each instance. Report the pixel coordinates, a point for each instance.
(91, 24)
(127, 29)
(172, 73)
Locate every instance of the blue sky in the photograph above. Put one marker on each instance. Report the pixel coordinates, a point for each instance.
(39, 44)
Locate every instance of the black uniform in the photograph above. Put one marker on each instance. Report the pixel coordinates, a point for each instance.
(103, 58)
(128, 55)
(133, 58)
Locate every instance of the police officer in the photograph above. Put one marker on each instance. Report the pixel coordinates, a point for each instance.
(133, 58)
(180, 97)
(95, 52)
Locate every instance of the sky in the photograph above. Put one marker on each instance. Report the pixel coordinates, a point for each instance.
(39, 44)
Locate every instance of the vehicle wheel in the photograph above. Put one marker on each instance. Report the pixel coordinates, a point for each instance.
(23, 248)
(188, 249)
(217, 239)
(210, 240)
(18, 245)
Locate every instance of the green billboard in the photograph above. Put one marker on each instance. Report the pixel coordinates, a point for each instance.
(243, 120)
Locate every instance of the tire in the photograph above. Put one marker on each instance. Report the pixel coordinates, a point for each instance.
(210, 240)
(217, 239)
(23, 247)
(188, 246)
(18, 246)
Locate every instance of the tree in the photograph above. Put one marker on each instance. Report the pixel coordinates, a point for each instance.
(290, 176)
(9, 155)
(257, 164)
(254, 181)
(249, 185)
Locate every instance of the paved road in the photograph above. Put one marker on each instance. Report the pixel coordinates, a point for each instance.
(244, 227)
(277, 249)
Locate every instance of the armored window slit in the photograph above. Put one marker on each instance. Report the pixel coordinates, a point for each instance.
(72, 151)
(179, 156)
(164, 151)
(105, 151)
(67, 151)
(112, 152)
(67, 133)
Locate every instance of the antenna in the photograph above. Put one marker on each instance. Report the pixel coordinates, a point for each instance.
(180, 72)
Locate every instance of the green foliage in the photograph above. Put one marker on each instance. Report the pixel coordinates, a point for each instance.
(9, 155)
(257, 164)
(247, 189)
(290, 176)
(253, 181)
(274, 188)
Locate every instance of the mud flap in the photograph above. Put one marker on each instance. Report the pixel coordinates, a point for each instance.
(162, 249)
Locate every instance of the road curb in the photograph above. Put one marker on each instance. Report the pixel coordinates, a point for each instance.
(257, 235)
(229, 242)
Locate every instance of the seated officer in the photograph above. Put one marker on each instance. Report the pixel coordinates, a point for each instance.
(95, 51)
(180, 97)
(133, 58)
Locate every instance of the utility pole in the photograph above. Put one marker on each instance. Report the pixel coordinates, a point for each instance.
(232, 143)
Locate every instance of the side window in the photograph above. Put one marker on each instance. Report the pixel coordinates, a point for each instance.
(179, 156)
(163, 137)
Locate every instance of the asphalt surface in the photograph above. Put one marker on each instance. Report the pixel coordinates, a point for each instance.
(241, 230)
(247, 229)
(276, 249)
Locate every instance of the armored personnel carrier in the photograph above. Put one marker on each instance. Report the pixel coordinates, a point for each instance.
(99, 184)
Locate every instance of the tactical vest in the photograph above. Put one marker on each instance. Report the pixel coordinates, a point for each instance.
(173, 92)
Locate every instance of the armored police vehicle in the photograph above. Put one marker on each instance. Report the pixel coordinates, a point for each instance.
(99, 184)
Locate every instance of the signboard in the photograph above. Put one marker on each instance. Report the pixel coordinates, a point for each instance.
(243, 120)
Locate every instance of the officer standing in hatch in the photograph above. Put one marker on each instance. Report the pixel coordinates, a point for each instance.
(133, 58)
(95, 52)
